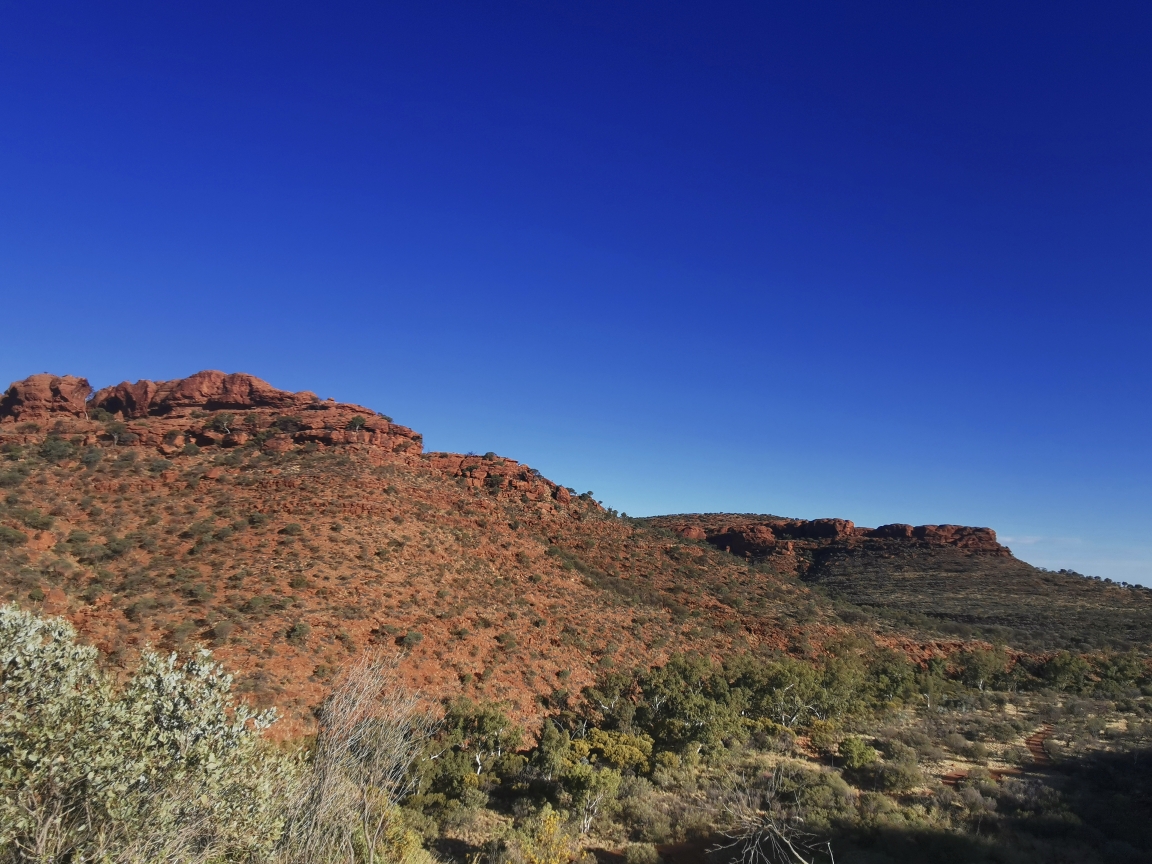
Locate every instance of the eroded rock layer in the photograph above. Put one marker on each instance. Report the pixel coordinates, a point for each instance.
(760, 537)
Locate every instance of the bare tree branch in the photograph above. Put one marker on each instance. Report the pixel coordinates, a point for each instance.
(372, 731)
(763, 829)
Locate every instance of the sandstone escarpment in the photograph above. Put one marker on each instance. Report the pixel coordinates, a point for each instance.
(39, 397)
(208, 409)
(212, 409)
(289, 532)
(209, 390)
(767, 536)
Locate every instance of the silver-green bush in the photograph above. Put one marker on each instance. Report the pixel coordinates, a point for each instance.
(168, 767)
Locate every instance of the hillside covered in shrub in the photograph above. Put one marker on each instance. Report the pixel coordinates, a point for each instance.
(440, 654)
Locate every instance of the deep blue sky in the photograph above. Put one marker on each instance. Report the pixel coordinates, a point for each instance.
(888, 262)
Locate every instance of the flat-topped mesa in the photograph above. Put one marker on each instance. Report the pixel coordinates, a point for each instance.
(40, 397)
(759, 539)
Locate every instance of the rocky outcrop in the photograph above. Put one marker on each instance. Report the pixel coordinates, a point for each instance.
(39, 397)
(962, 536)
(217, 410)
(498, 475)
(762, 537)
(754, 541)
(208, 409)
(207, 391)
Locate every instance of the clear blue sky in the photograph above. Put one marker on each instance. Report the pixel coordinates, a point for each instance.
(888, 262)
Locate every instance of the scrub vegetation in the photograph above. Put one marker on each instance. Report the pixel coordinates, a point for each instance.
(858, 756)
(255, 636)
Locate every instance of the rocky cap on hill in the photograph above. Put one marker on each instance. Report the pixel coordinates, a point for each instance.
(208, 391)
(216, 409)
(170, 415)
(765, 536)
(39, 397)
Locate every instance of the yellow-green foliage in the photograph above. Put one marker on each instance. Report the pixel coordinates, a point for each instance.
(618, 750)
(544, 839)
(400, 844)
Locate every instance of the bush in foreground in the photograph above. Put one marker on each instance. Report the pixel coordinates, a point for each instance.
(164, 766)
(170, 767)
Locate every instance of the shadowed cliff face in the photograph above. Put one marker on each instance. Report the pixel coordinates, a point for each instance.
(950, 579)
(766, 536)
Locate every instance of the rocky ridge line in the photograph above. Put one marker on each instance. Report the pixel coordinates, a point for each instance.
(766, 537)
(214, 409)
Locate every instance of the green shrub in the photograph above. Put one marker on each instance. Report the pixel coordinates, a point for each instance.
(855, 754)
(165, 765)
(824, 735)
(899, 776)
(55, 449)
(288, 424)
(158, 466)
(298, 632)
(11, 479)
(223, 630)
(35, 520)
(12, 537)
(641, 853)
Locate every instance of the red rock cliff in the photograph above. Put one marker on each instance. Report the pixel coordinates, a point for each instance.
(39, 397)
(209, 391)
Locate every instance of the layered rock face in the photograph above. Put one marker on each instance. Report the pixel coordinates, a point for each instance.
(763, 537)
(206, 409)
(215, 409)
(209, 391)
(39, 397)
